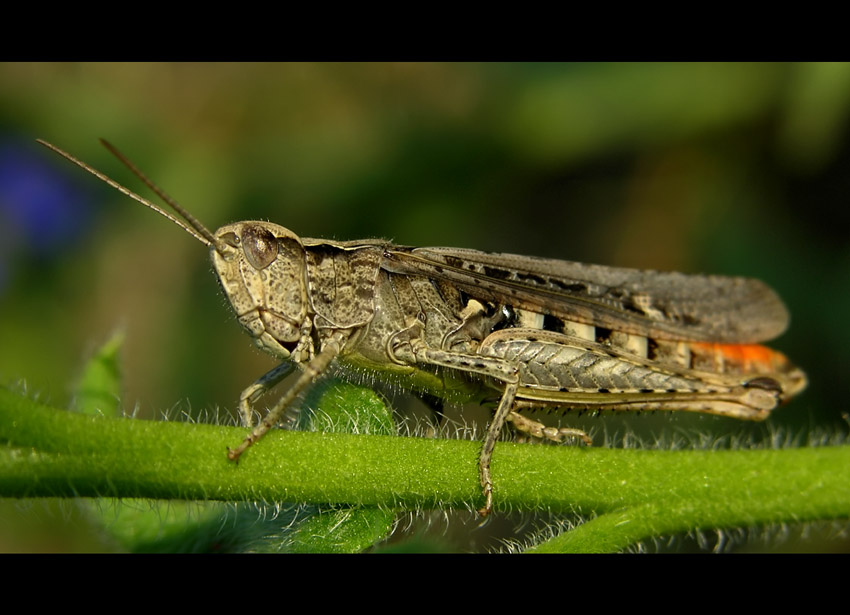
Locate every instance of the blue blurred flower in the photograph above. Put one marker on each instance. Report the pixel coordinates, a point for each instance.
(42, 211)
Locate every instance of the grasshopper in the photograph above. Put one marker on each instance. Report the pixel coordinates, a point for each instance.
(517, 332)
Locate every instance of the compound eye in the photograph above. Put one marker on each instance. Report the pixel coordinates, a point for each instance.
(260, 246)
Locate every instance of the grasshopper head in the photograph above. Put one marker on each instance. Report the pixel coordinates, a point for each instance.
(261, 267)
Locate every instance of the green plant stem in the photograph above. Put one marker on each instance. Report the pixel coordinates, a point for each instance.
(635, 493)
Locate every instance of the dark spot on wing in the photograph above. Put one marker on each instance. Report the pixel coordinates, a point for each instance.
(570, 287)
(495, 272)
(530, 277)
(576, 287)
(689, 319)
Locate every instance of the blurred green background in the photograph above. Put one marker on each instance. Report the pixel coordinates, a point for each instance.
(739, 169)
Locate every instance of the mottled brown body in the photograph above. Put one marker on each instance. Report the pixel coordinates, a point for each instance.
(523, 331)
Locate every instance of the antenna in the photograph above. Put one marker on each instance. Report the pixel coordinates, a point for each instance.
(191, 224)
